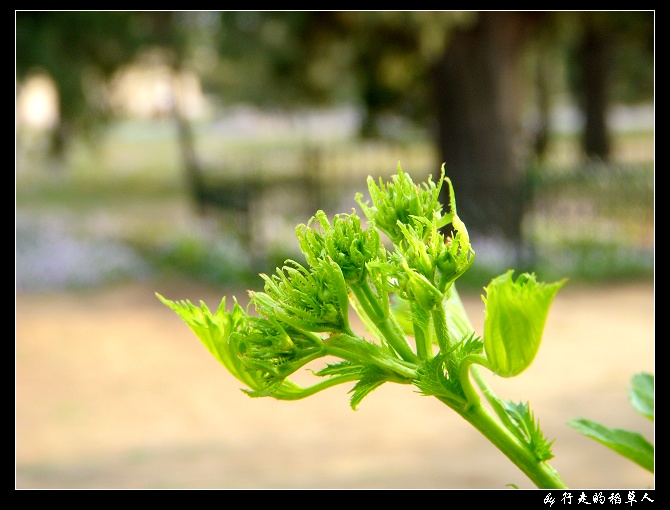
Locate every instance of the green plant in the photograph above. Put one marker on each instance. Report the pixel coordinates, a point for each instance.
(629, 444)
(418, 332)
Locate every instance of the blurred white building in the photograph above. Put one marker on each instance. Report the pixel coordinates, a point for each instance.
(36, 103)
(150, 91)
(140, 92)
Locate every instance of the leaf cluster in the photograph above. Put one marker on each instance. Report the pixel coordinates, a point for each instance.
(417, 331)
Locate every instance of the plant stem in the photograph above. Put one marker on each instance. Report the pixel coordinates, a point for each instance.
(540, 473)
(360, 352)
(383, 322)
(423, 346)
(441, 330)
(422, 332)
(308, 391)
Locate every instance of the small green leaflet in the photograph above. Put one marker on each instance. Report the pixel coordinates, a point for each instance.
(629, 444)
(642, 394)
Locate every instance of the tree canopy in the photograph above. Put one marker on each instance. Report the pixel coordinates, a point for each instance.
(459, 75)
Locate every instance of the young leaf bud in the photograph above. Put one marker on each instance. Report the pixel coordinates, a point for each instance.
(514, 319)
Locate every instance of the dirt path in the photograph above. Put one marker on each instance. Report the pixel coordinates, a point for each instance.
(114, 391)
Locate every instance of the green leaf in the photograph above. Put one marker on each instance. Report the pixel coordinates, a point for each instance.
(528, 429)
(631, 445)
(514, 319)
(432, 380)
(372, 380)
(642, 394)
(341, 368)
(439, 376)
(369, 378)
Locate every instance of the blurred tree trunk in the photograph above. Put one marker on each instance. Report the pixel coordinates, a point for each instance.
(163, 25)
(595, 61)
(478, 106)
(542, 87)
(192, 167)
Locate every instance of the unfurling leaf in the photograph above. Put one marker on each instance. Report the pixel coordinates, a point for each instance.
(514, 319)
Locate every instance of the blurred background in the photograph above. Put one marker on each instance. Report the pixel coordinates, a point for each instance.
(175, 151)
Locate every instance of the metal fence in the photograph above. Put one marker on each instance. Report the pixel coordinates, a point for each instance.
(573, 207)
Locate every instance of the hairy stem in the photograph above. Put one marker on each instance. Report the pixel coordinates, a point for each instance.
(383, 321)
(441, 330)
(539, 472)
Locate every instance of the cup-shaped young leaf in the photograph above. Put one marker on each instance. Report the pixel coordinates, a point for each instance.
(514, 319)
(312, 299)
(397, 201)
(344, 241)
